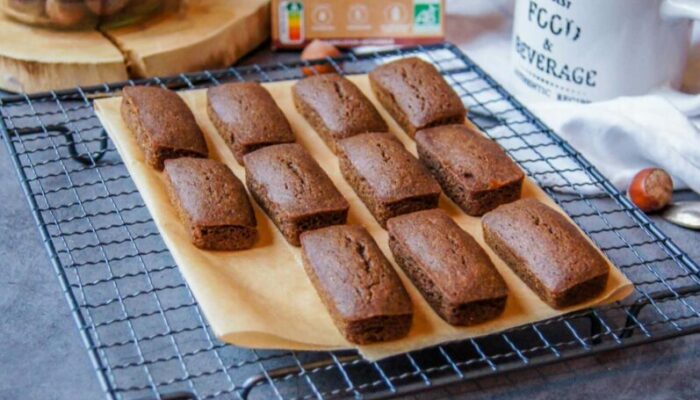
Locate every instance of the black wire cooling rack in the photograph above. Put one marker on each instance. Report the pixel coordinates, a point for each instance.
(147, 337)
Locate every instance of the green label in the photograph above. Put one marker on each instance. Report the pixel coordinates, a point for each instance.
(426, 15)
(295, 6)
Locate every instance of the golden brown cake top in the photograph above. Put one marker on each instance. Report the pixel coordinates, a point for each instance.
(419, 91)
(292, 180)
(353, 273)
(340, 105)
(547, 243)
(452, 259)
(475, 161)
(165, 118)
(209, 193)
(389, 170)
(248, 112)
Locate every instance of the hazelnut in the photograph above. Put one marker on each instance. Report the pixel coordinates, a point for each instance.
(33, 7)
(106, 7)
(66, 13)
(317, 50)
(651, 189)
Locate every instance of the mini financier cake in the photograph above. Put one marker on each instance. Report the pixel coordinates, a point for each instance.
(356, 283)
(212, 203)
(416, 95)
(546, 251)
(247, 117)
(163, 124)
(336, 108)
(388, 179)
(451, 270)
(293, 190)
(472, 170)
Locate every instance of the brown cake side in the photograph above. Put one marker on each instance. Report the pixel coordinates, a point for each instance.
(416, 95)
(163, 124)
(247, 117)
(356, 283)
(472, 170)
(453, 273)
(546, 251)
(212, 203)
(388, 179)
(336, 108)
(293, 190)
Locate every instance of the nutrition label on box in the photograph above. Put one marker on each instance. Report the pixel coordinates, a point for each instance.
(357, 22)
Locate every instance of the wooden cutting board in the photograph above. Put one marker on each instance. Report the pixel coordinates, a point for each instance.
(204, 34)
(33, 59)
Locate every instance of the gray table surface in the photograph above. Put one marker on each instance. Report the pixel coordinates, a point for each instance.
(43, 357)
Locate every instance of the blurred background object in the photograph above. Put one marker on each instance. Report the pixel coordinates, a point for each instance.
(112, 40)
(84, 14)
(620, 136)
(350, 23)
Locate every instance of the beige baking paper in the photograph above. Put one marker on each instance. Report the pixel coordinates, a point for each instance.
(261, 298)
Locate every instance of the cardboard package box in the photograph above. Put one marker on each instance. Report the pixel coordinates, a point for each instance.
(349, 23)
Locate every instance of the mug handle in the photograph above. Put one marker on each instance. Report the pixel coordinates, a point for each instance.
(680, 9)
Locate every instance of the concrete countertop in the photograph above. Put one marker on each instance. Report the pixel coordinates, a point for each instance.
(43, 357)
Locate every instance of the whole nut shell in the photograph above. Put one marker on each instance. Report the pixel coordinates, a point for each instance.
(34, 7)
(106, 7)
(651, 189)
(66, 13)
(318, 50)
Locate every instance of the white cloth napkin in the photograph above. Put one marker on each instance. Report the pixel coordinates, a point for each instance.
(619, 137)
(624, 135)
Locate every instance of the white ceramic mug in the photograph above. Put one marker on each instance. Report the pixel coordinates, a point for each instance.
(589, 50)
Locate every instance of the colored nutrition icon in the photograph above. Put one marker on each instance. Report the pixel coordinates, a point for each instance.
(292, 21)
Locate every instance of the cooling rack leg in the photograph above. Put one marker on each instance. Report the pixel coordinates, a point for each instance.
(272, 374)
(638, 306)
(596, 328)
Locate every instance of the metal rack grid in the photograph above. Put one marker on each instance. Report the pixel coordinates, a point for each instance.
(147, 337)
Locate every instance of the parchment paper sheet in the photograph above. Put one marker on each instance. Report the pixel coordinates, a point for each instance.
(261, 298)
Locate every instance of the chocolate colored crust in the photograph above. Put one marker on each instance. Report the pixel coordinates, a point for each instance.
(356, 283)
(163, 124)
(388, 179)
(546, 251)
(416, 95)
(247, 117)
(472, 170)
(293, 190)
(336, 108)
(451, 270)
(212, 203)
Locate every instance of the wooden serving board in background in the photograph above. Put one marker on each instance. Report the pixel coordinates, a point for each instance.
(33, 59)
(204, 34)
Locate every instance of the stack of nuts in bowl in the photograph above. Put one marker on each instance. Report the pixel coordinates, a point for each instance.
(82, 14)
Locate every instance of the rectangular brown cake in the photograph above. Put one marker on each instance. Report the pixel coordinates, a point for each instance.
(546, 251)
(472, 170)
(247, 117)
(451, 270)
(388, 179)
(356, 283)
(293, 190)
(416, 95)
(336, 108)
(212, 203)
(163, 124)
